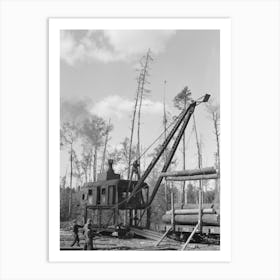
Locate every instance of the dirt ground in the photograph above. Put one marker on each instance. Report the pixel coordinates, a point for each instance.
(136, 244)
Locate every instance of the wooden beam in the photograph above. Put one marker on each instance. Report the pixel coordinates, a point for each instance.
(162, 237)
(193, 178)
(190, 237)
(172, 212)
(193, 172)
(200, 226)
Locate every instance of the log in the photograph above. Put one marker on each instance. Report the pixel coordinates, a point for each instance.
(207, 219)
(199, 171)
(192, 211)
(193, 178)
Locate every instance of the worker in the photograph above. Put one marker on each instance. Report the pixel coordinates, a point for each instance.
(89, 234)
(76, 227)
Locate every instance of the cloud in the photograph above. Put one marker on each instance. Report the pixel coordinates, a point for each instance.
(135, 42)
(70, 50)
(115, 106)
(111, 45)
(74, 111)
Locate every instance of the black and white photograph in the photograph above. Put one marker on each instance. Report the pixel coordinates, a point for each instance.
(140, 140)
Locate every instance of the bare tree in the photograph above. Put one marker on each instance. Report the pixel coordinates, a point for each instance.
(144, 75)
(181, 100)
(214, 115)
(141, 90)
(198, 144)
(133, 123)
(86, 161)
(107, 132)
(199, 163)
(120, 155)
(68, 135)
(93, 129)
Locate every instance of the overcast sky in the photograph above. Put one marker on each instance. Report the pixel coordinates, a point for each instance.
(99, 66)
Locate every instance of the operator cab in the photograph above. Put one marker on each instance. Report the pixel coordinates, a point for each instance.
(110, 191)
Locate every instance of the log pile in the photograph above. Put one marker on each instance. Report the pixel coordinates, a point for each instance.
(190, 217)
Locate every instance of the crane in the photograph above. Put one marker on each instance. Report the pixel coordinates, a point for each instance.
(112, 192)
(180, 125)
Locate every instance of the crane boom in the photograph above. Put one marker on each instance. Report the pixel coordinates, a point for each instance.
(183, 118)
(172, 151)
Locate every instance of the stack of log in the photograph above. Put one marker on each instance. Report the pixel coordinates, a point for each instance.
(190, 217)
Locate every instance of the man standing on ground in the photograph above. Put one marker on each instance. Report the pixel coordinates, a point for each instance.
(76, 234)
(89, 234)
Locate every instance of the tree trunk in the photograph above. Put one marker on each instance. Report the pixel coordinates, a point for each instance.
(86, 177)
(139, 119)
(138, 131)
(105, 149)
(184, 168)
(71, 176)
(217, 183)
(199, 159)
(95, 164)
(132, 126)
(89, 169)
(142, 89)
(184, 162)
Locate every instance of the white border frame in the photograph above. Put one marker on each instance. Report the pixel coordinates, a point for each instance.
(222, 24)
